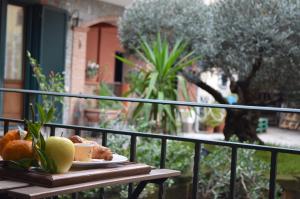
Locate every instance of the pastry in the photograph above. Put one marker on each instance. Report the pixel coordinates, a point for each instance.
(99, 152)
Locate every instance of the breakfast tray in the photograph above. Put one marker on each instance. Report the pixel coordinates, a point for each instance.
(75, 176)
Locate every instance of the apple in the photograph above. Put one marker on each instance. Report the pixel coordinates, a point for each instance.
(62, 151)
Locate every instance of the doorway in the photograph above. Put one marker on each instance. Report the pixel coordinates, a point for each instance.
(14, 61)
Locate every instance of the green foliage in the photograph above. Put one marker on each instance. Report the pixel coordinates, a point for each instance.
(105, 90)
(213, 117)
(242, 31)
(288, 164)
(38, 141)
(251, 178)
(230, 35)
(54, 82)
(175, 19)
(157, 79)
(41, 161)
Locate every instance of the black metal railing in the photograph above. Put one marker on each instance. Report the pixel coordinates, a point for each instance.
(198, 143)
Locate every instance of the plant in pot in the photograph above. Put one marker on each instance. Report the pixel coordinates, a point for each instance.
(212, 118)
(156, 78)
(102, 110)
(110, 109)
(92, 71)
(92, 112)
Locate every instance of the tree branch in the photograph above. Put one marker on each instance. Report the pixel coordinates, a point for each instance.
(197, 81)
(241, 87)
(256, 66)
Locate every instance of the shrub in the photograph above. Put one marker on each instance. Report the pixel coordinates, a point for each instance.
(251, 179)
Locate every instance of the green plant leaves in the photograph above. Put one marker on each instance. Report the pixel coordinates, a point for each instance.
(52, 82)
(38, 141)
(157, 80)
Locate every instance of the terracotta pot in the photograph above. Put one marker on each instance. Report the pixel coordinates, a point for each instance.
(209, 129)
(92, 79)
(220, 128)
(92, 115)
(125, 88)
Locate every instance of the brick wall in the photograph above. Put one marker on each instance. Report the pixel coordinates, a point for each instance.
(89, 11)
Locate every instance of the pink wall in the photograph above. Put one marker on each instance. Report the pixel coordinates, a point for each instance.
(109, 44)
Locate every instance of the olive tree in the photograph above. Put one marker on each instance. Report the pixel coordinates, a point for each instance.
(256, 40)
(174, 19)
(260, 42)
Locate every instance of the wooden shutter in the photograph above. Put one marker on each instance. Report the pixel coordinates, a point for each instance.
(46, 40)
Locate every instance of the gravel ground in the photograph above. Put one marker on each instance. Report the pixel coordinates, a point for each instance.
(278, 136)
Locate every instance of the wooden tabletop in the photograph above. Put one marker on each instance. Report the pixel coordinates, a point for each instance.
(23, 190)
(8, 184)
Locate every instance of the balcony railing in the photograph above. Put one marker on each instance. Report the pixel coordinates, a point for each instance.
(198, 143)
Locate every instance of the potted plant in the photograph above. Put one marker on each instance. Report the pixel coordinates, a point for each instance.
(107, 108)
(92, 71)
(111, 109)
(212, 118)
(92, 112)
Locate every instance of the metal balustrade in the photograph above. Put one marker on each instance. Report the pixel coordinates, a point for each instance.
(198, 143)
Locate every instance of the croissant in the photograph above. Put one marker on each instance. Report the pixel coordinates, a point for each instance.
(99, 152)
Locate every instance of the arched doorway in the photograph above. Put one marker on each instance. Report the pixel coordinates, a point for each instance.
(96, 43)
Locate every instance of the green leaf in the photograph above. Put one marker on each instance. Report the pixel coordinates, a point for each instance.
(151, 86)
(34, 129)
(137, 110)
(171, 116)
(147, 51)
(42, 113)
(126, 61)
(50, 115)
(43, 160)
(42, 141)
(160, 106)
(183, 87)
(174, 55)
(20, 164)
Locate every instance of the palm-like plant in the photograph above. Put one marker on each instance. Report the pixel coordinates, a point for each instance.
(158, 77)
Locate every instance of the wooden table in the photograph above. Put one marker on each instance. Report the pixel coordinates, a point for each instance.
(15, 189)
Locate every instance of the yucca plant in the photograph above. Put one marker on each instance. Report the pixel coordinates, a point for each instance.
(158, 79)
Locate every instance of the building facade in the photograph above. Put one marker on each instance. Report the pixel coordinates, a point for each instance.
(63, 36)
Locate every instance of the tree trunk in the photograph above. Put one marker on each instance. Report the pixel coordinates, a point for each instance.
(243, 124)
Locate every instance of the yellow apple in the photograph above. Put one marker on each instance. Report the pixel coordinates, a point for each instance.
(62, 151)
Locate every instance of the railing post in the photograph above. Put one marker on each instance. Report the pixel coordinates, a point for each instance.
(163, 152)
(196, 170)
(273, 171)
(233, 172)
(104, 143)
(104, 139)
(6, 125)
(132, 158)
(77, 132)
(133, 148)
(29, 98)
(52, 131)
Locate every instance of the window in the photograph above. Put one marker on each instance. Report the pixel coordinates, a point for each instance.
(14, 43)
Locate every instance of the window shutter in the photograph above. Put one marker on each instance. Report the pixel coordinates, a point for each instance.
(46, 40)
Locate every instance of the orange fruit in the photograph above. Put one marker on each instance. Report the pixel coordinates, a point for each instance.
(17, 150)
(9, 136)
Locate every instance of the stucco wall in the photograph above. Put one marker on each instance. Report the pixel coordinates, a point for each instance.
(88, 10)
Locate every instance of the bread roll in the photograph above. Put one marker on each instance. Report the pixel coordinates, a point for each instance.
(99, 152)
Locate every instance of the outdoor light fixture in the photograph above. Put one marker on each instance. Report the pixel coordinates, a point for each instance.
(74, 19)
